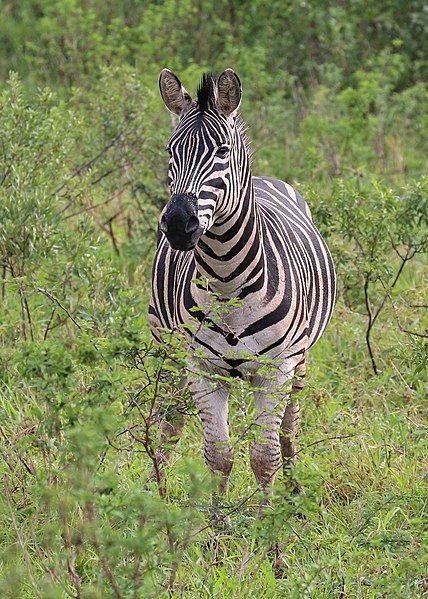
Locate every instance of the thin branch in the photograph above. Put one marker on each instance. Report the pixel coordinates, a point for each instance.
(336, 438)
(89, 208)
(246, 499)
(74, 321)
(3, 287)
(6, 173)
(27, 311)
(406, 258)
(56, 301)
(48, 326)
(108, 229)
(402, 329)
(113, 237)
(90, 512)
(83, 167)
(29, 467)
(23, 325)
(20, 539)
(49, 569)
(71, 560)
(369, 324)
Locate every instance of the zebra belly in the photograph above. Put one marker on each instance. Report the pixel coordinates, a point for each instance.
(244, 357)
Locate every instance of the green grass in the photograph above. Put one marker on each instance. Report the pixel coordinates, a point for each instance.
(360, 529)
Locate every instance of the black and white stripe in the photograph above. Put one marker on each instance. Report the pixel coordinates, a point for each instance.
(250, 238)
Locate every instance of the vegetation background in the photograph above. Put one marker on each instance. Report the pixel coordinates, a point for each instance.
(335, 96)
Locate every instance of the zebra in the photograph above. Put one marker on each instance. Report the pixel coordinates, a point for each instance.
(248, 238)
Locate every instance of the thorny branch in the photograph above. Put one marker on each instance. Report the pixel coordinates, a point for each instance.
(372, 316)
(86, 165)
(394, 309)
(74, 321)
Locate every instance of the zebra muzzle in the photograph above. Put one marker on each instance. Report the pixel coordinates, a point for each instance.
(180, 223)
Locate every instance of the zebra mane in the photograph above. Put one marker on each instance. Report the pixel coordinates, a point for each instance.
(206, 94)
(206, 100)
(243, 131)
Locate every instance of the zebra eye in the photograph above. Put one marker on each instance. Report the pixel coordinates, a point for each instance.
(222, 152)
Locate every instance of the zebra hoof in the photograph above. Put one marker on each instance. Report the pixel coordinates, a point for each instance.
(296, 490)
(279, 565)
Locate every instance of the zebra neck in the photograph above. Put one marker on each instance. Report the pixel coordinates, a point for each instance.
(231, 255)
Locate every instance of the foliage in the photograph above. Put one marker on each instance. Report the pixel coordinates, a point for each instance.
(336, 98)
(379, 231)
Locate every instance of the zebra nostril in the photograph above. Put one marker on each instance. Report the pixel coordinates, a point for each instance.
(192, 225)
(163, 225)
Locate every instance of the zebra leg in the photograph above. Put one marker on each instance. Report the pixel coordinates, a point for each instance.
(213, 407)
(290, 425)
(265, 452)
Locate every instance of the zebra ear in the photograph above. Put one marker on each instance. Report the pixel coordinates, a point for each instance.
(174, 95)
(229, 92)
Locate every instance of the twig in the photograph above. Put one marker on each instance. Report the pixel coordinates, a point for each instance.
(104, 563)
(308, 550)
(89, 208)
(336, 438)
(71, 560)
(81, 168)
(394, 282)
(256, 570)
(369, 324)
(29, 467)
(20, 539)
(74, 321)
(56, 301)
(402, 329)
(49, 569)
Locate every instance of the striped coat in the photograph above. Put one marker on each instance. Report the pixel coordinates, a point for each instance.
(225, 234)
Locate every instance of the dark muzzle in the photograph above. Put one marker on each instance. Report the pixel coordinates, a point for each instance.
(180, 223)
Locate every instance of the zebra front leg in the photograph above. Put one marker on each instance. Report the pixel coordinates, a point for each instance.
(290, 426)
(270, 402)
(265, 452)
(213, 407)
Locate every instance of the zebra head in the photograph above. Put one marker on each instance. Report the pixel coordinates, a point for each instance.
(206, 151)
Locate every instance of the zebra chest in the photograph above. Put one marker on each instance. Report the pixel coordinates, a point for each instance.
(236, 336)
(221, 324)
